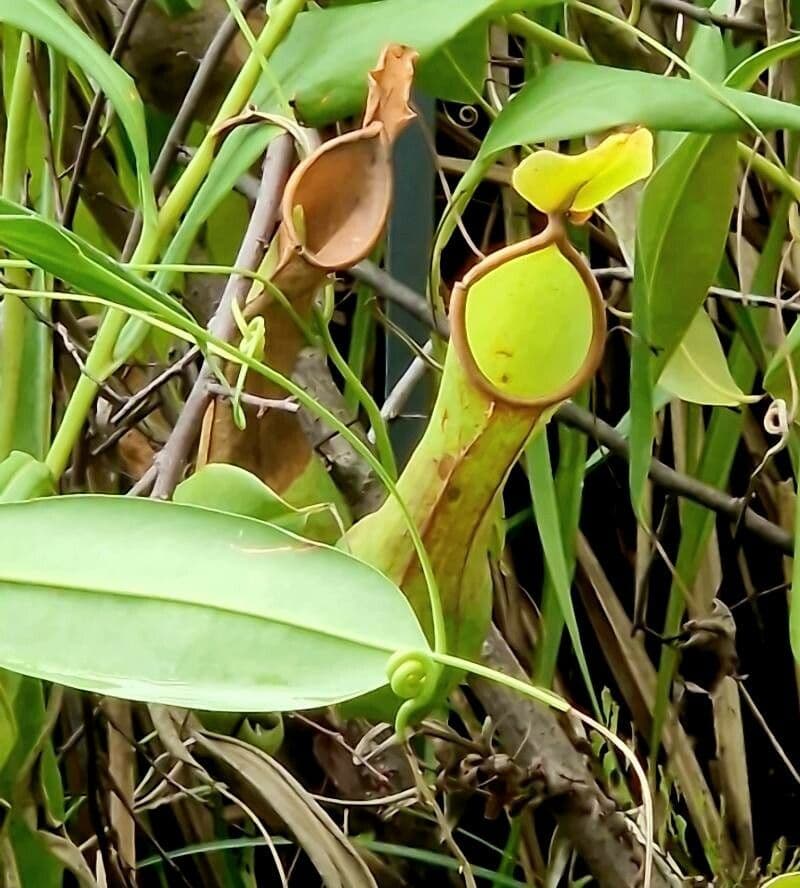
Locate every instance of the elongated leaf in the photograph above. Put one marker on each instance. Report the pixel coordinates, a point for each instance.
(274, 788)
(47, 21)
(698, 370)
(777, 379)
(8, 726)
(548, 524)
(715, 464)
(74, 260)
(745, 75)
(572, 99)
(680, 240)
(185, 606)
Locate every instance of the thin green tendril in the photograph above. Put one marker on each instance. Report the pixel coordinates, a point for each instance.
(414, 677)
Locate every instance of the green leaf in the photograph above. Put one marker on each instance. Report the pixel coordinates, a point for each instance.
(327, 83)
(572, 466)
(48, 22)
(22, 478)
(85, 268)
(548, 524)
(228, 488)
(572, 99)
(8, 726)
(747, 73)
(777, 378)
(788, 880)
(698, 370)
(715, 464)
(706, 54)
(190, 607)
(683, 222)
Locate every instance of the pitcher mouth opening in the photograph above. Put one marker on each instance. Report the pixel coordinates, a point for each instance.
(570, 346)
(345, 192)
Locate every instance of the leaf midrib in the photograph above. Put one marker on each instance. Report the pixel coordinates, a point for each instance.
(282, 621)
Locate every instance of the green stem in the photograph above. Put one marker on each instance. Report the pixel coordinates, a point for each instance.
(103, 360)
(382, 443)
(195, 172)
(535, 33)
(360, 338)
(14, 311)
(771, 172)
(95, 371)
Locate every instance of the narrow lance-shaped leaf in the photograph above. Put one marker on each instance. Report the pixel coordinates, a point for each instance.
(190, 607)
(680, 240)
(47, 21)
(88, 270)
(698, 370)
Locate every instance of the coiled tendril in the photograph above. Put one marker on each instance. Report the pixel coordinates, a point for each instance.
(414, 677)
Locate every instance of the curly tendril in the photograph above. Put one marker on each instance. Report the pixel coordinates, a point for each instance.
(414, 677)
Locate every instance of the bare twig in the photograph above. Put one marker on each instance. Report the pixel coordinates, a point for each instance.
(533, 735)
(288, 405)
(399, 395)
(676, 482)
(400, 294)
(93, 118)
(138, 398)
(172, 459)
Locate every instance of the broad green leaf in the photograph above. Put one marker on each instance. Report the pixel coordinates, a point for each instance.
(555, 182)
(22, 477)
(698, 370)
(706, 54)
(327, 83)
(232, 489)
(680, 241)
(48, 22)
(788, 880)
(716, 462)
(574, 99)
(525, 352)
(190, 607)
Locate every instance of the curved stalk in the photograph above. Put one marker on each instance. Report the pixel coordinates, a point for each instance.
(14, 311)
